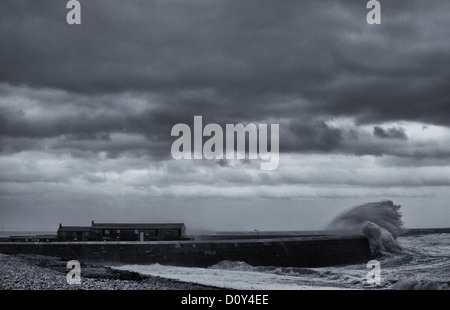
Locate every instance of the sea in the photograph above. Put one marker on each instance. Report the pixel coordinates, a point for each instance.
(424, 264)
(403, 259)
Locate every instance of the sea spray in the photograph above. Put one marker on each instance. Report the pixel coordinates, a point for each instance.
(380, 222)
(380, 239)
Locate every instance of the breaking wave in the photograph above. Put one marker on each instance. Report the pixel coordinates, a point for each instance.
(380, 222)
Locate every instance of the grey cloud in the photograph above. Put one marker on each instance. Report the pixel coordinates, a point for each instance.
(223, 163)
(390, 133)
(311, 136)
(107, 93)
(231, 62)
(251, 54)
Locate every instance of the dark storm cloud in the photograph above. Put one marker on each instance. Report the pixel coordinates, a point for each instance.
(296, 62)
(79, 126)
(313, 136)
(162, 46)
(390, 133)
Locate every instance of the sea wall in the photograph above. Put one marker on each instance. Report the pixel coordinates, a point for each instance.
(295, 252)
(424, 231)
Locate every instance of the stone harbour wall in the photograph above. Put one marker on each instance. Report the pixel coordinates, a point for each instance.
(285, 252)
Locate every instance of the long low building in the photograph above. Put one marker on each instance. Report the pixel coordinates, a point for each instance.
(123, 232)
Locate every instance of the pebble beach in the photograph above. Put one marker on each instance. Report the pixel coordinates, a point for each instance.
(37, 272)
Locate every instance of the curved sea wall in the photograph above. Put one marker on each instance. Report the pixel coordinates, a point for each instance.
(286, 252)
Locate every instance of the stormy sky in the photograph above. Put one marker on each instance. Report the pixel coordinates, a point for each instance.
(86, 111)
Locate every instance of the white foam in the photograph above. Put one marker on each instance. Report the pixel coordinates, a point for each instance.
(229, 279)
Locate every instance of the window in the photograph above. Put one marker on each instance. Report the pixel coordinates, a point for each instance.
(136, 231)
(107, 231)
(173, 232)
(118, 231)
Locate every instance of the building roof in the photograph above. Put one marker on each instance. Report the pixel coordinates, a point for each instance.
(137, 225)
(74, 228)
(46, 236)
